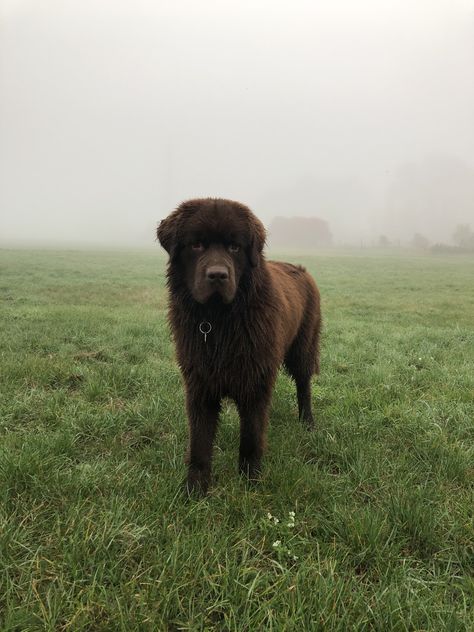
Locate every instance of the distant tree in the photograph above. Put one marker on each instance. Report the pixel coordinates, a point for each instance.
(384, 241)
(463, 236)
(303, 233)
(429, 197)
(420, 242)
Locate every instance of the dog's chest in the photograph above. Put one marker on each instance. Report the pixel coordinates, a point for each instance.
(229, 361)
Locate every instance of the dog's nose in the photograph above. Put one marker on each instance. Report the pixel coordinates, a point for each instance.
(217, 273)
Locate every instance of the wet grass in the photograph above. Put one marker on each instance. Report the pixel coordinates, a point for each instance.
(95, 533)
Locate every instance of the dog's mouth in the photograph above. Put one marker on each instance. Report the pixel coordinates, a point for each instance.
(218, 298)
(213, 297)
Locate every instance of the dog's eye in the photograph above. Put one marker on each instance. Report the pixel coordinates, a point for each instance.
(198, 246)
(234, 248)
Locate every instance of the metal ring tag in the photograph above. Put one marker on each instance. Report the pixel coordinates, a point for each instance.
(205, 328)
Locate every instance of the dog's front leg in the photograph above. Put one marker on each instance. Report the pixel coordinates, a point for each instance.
(203, 414)
(253, 429)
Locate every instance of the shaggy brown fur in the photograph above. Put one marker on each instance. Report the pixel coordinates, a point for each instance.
(260, 315)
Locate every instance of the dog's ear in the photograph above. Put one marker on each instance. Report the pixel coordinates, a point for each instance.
(166, 233)
(258, 241)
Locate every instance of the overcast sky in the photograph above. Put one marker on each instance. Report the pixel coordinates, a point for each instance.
(112, 112)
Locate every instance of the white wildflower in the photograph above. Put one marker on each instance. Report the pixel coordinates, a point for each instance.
(276, 544)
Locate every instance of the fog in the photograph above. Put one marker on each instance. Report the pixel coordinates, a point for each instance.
(112, 112)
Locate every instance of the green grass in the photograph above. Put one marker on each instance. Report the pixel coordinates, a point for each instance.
(95, 533)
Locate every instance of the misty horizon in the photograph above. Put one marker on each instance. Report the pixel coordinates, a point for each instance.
(113, 113)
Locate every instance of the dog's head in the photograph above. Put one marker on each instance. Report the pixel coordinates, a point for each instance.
(212, 244)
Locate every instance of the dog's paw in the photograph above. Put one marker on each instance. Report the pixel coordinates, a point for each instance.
(251, 468)
(197, 482)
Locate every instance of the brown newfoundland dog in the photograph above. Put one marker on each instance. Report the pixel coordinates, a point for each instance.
(235, 319)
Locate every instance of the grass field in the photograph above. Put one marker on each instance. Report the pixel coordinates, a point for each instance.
(95, 533)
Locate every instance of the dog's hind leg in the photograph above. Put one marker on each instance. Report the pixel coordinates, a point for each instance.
(301, 362)
(303, 394)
